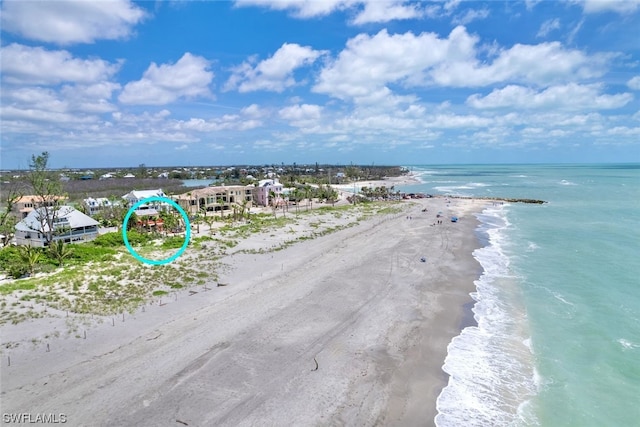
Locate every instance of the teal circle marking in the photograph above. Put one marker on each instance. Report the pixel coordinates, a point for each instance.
(186, 223)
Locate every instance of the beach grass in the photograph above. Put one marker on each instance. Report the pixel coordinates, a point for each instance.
(102, 278)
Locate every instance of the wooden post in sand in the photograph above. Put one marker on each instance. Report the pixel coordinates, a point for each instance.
(48, 347)
(123, 316)
(9, 360)
(85, 334)
(113, 322)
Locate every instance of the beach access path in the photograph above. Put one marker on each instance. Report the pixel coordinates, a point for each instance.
(350, 328)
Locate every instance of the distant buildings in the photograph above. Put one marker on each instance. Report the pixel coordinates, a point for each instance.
(69, 225)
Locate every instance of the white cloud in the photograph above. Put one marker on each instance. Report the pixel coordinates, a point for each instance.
(26, 98)
(305, 115)
(541, 64)
(634, 83)
(377, 69)
(216, 124)
(571, 35)
(300, 8)
(188, 78)
(548, 26)
(369, 63)
(564, 97)
(368, 11)
(470, 16)
(386, 11)
(530, 4)
(66, 22)
(274, 73)
(35, 65)
(254, 111)
(618, 6)
(60, 105)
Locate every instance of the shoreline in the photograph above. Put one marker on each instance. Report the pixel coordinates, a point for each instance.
(358, 302)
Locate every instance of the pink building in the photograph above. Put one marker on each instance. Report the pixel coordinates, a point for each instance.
(264, 188)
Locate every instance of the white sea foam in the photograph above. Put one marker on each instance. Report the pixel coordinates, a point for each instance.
(559, 297)
(627, 345)
(490, 365)
(565, 182)
(458, 190)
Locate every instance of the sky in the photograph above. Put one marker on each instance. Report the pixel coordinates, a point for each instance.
(168, 83)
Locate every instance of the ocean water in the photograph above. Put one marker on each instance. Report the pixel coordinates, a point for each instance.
(557, 341)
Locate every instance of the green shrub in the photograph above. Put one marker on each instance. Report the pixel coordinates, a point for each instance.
(12, 263)
(172, 242)
(86, 252)
(135, 238)
(110, 240)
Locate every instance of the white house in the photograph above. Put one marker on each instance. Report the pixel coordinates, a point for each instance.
(96, 205)
(70, 226)
(264, 188)
(135, 196)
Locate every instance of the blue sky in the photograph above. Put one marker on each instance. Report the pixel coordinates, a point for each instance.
(119, 83)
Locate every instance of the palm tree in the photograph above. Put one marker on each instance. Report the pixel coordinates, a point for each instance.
(221, 204)
(197, 220)
(209, 220)
(30, 256)
(59, 251)
(296, 198)
(272, 200)
(243, 207)
(307, 194)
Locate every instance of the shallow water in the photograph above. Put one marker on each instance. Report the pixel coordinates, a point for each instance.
(558, 306)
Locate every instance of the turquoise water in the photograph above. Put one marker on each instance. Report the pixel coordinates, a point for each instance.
(558, 305)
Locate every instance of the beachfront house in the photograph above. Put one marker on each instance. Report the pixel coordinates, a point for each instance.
(93, 206)
(262, 192)
(218, 198)
(25, 204)
(135, 196)
(69, 225)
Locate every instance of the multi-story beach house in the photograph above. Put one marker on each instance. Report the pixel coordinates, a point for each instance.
(220, 198)
(69, 225)
(151, 209)
(135, 196)
(262, 192)
(26, 204)
(94, 206)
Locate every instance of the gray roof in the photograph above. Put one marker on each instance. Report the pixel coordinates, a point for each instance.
(68, 215)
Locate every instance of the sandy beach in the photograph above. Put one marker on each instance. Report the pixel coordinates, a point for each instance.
(349, 328)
